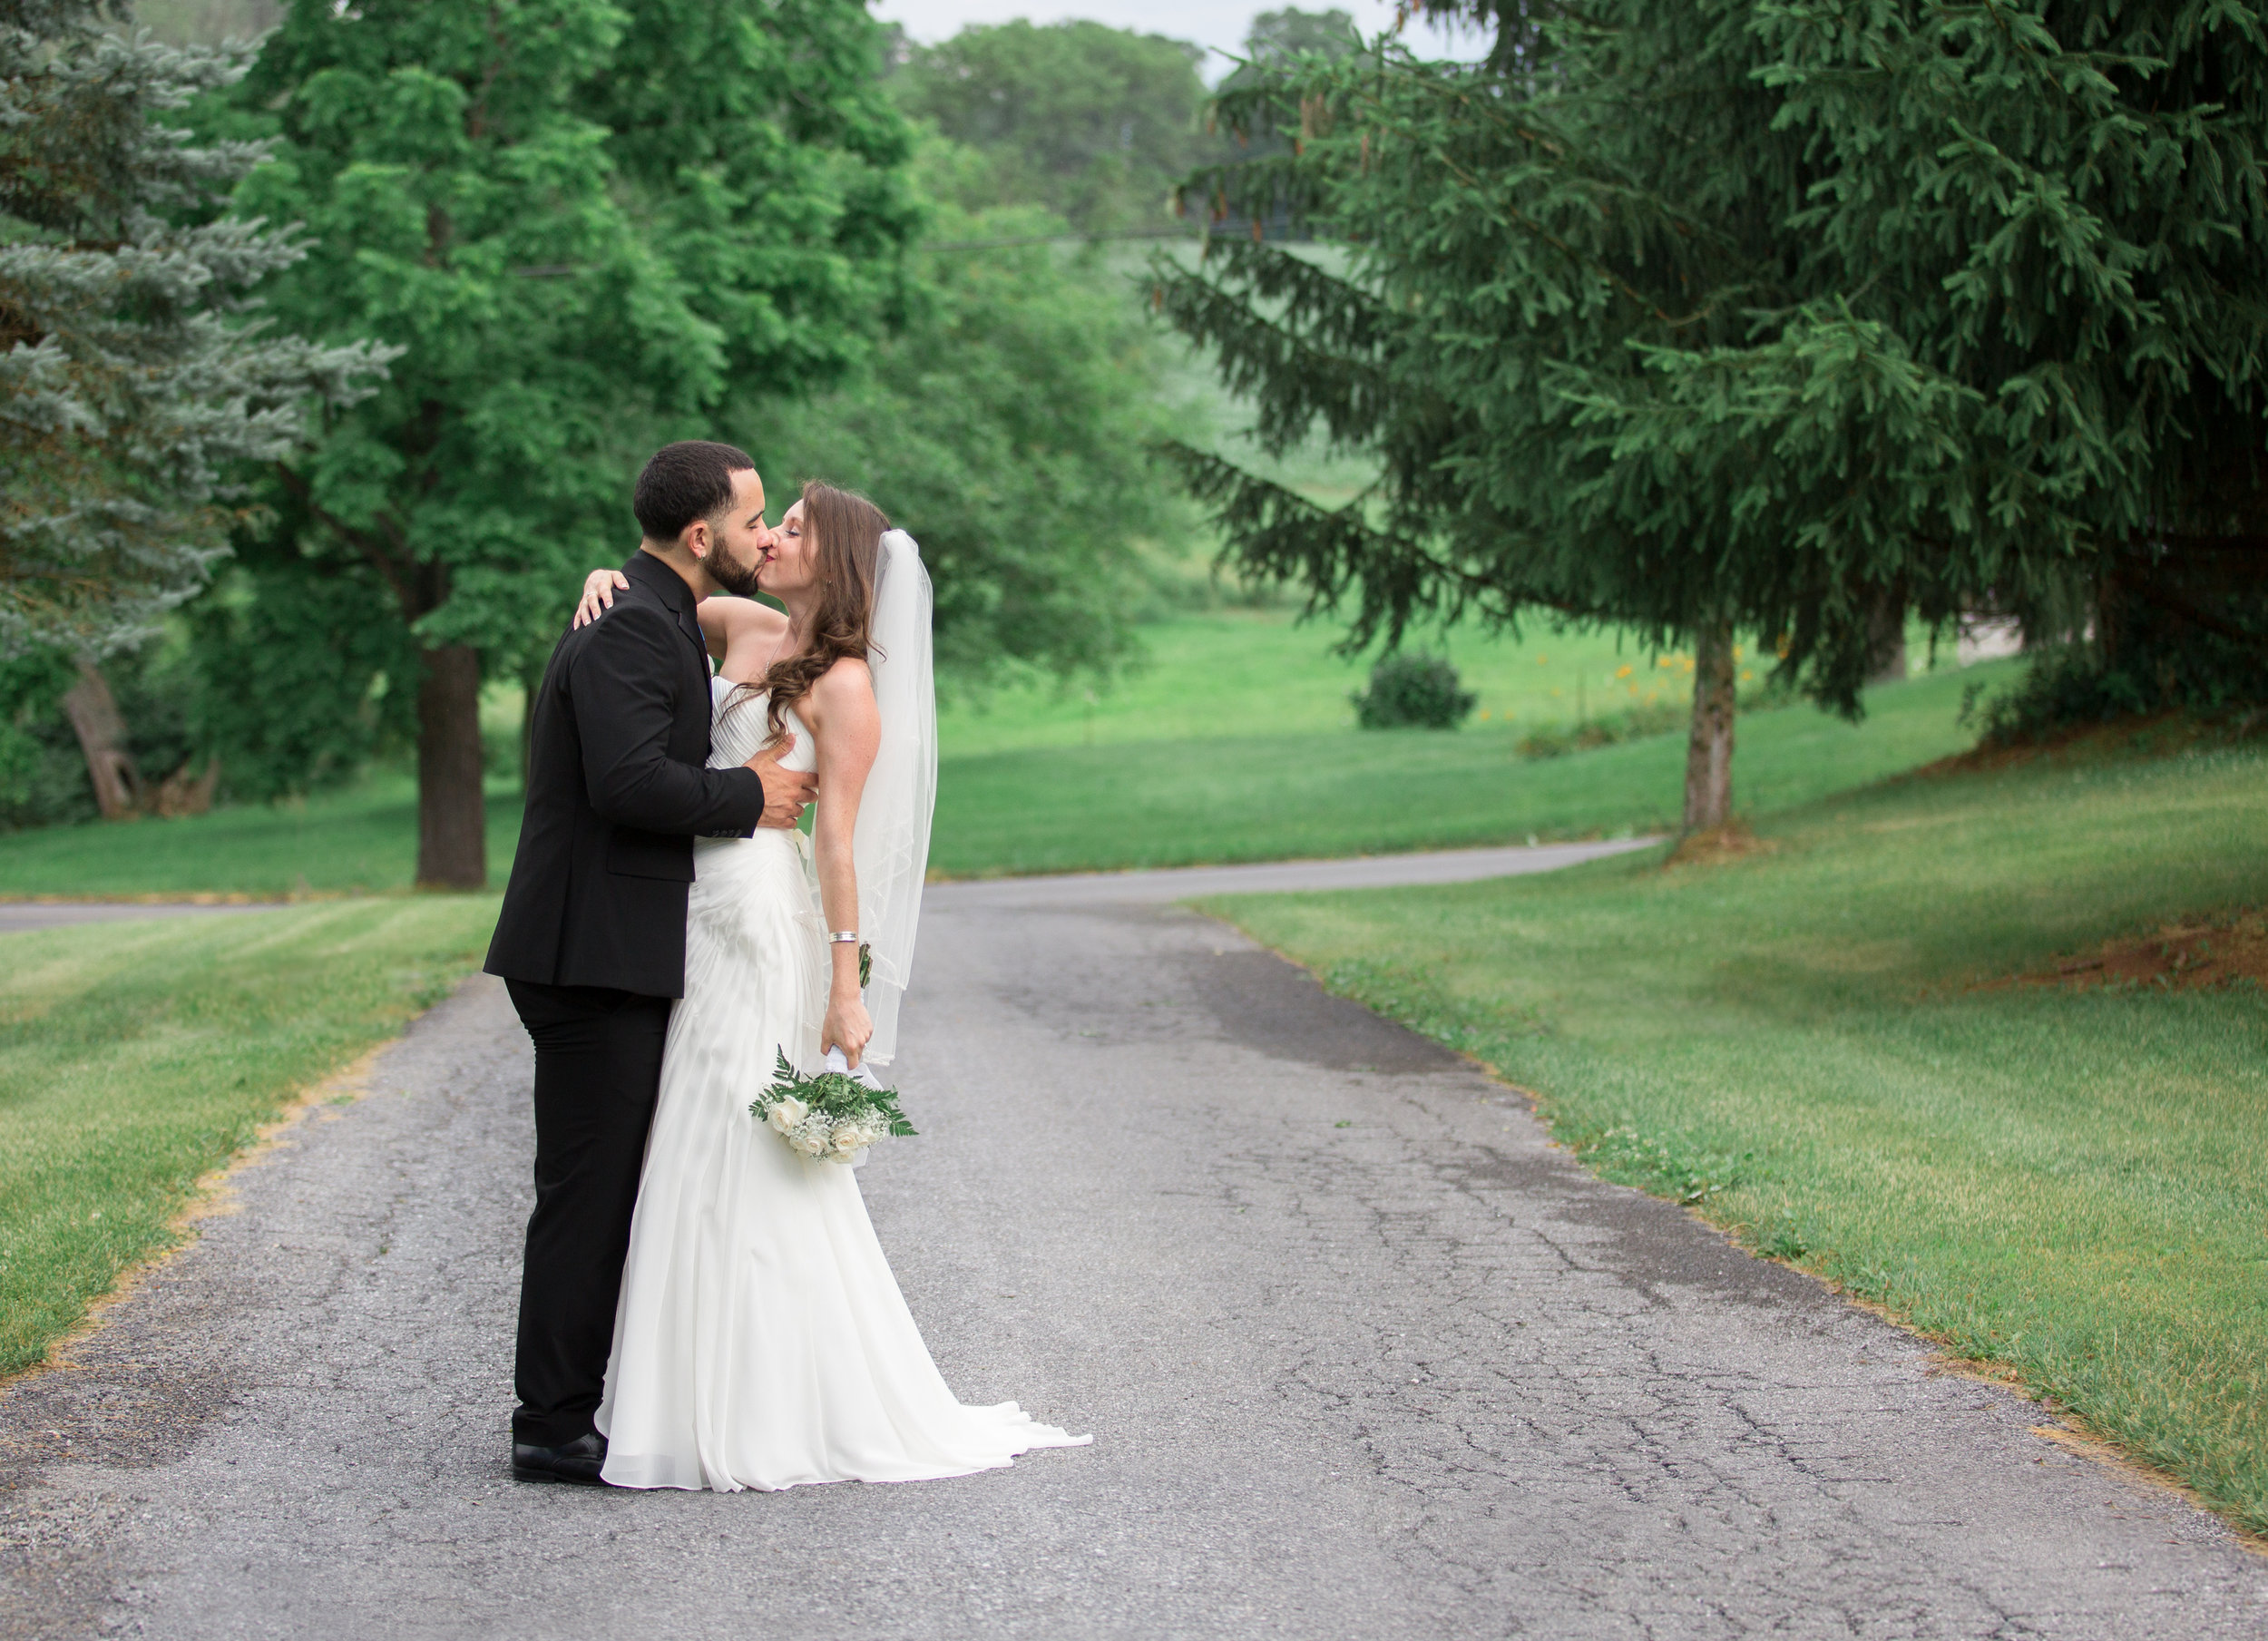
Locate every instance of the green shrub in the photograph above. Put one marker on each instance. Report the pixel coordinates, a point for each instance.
(2184, 633)
(2072, 685)
(1413, 691)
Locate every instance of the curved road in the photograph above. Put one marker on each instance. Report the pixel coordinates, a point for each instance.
(1364, 1357)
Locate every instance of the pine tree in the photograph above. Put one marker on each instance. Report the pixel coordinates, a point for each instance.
(135, 374)
(1791, 319)
(584, 224)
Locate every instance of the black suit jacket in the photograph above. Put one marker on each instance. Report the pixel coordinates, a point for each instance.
(617, 791)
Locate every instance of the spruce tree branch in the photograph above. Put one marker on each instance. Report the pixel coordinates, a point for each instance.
(1275, 531)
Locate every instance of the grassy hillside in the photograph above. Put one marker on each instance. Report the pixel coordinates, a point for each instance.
(1168, 802)
(1235, 673)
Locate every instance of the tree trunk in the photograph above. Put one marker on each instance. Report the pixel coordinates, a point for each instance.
(93, 711)
(452, 816)
(179, 793)
(1709, 754)
(1886, 642)
(2110, 623)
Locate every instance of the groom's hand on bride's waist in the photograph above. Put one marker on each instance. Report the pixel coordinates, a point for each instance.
(787, 792)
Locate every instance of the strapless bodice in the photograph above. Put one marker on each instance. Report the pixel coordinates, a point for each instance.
(738, 728)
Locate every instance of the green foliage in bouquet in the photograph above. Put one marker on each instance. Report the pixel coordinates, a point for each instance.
(830, 1115)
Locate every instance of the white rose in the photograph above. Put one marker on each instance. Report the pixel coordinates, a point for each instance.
(851, 1138)
(809, 1145)
(786, 1113)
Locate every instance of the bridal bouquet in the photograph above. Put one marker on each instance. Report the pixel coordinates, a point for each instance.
(831, 1117)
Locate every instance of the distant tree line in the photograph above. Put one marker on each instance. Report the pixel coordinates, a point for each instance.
(1095, 124)
(1099, 125)
(1723, 317)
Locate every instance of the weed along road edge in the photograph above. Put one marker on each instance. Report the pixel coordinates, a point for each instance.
(1363, 1355)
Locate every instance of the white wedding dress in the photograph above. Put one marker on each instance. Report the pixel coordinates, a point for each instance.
(761, 1341)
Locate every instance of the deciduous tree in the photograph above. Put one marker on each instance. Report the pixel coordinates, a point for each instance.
(1008, 424)
(587, 226)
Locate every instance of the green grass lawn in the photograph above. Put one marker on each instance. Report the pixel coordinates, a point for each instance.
(1233, 674)
(136, 1057)
(1234, 744)
(1156, 803)
(2071, 1183)
(361, 840)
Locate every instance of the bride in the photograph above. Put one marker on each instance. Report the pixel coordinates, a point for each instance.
(760, 1341)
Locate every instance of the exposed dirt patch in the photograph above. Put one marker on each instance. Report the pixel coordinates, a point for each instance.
(1719, 844)
(2194, 954)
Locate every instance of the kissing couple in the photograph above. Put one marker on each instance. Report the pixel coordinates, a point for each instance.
(701, 1306)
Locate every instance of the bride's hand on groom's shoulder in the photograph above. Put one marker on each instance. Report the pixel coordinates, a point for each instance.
(599, 589)
(787, 792)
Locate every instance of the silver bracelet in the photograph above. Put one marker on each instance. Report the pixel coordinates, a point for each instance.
(843, 937)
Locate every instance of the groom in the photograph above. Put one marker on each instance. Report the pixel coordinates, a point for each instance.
(591, 939)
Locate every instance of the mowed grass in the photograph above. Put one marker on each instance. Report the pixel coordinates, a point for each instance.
(136, 1057)
(1162, 803)
(361, 840)
(1811, 1046)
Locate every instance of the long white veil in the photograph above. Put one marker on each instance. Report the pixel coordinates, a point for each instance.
(891, 845)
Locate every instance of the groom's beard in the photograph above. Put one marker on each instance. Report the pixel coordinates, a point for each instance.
(731, 574)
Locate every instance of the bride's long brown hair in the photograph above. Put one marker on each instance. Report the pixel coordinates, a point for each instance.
(848, 530)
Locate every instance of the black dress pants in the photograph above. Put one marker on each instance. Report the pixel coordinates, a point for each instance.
(598, 1073)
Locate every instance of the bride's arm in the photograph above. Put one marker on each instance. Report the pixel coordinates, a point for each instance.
(843, 722)
(727, 620)
(722, 618)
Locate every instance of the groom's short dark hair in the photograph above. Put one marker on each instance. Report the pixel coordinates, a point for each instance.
(691, 479)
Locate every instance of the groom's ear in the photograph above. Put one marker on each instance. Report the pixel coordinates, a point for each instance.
(694, 538)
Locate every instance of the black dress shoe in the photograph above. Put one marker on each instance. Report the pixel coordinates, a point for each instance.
(577, 1462)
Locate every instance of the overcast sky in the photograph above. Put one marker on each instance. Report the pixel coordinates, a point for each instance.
(1219, 23)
